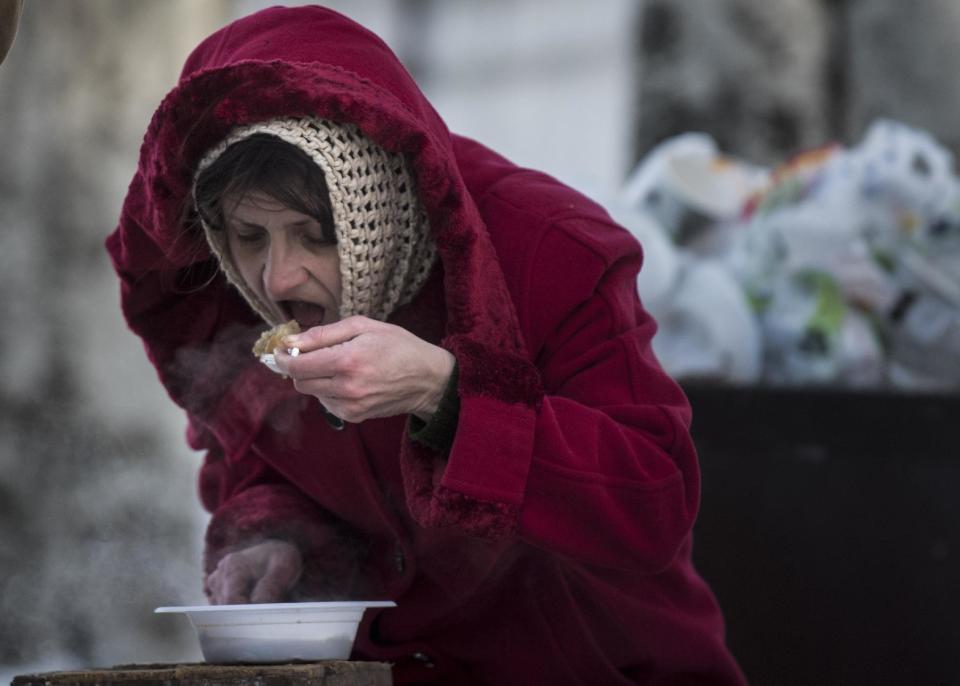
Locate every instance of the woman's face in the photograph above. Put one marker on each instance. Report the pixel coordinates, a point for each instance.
(282, 256)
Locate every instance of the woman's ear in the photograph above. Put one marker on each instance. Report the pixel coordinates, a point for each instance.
(9, 19)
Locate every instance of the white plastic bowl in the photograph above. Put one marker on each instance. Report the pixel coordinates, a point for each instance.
(277, 632)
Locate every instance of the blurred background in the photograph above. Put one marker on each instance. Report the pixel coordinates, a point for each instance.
(750, 144)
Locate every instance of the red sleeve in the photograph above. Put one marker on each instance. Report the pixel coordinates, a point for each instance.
(250, 502)
(601, 468)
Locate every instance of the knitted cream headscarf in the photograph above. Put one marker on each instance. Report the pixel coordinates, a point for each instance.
(383, 236)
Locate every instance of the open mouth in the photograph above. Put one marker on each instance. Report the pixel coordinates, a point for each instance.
(307, 314)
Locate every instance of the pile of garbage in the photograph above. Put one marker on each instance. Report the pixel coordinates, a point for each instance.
(840, 267)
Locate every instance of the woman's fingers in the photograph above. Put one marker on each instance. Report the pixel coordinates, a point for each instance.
(318, 363)
(323, 353)
(327, 335)
(268, 590)
(264, 572)
(364, 368)
(326, 351)
(231, 581)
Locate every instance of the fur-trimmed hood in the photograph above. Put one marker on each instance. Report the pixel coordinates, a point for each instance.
(298, 62)
(312, 61)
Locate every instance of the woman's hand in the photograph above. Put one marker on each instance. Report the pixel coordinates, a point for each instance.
(360, 368)
(262, 573)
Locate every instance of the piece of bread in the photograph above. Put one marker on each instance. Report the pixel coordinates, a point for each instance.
(271, 339)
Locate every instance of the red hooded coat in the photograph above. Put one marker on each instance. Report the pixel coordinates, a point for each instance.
(551, 544)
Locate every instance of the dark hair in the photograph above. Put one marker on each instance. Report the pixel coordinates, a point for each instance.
(266, 164)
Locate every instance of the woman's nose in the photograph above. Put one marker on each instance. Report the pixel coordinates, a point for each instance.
(282, 273)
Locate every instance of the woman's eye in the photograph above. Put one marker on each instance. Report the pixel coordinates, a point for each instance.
(249, 237)
(315, 241)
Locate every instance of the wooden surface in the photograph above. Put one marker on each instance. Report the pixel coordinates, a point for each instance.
(328, 673)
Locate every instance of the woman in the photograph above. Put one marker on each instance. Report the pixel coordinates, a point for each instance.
(475, 426)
